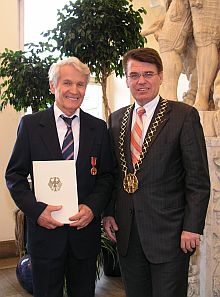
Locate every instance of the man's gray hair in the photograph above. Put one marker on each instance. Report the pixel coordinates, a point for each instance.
(54, 71)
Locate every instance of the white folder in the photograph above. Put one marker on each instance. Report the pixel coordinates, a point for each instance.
(55, 184)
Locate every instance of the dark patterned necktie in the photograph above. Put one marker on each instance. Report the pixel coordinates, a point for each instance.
(68, 143)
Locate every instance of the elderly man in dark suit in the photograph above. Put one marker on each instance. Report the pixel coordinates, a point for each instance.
(63, 251)
(161, 194)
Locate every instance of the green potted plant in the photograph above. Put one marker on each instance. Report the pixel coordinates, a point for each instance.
(24, 76)
(107, 261)
(98, 32)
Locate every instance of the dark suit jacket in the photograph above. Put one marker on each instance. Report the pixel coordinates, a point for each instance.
(174, 184)
(37, 139)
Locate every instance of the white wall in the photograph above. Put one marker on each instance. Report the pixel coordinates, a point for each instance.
(9, 36)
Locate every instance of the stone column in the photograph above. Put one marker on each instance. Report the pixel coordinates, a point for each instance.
(204, 273)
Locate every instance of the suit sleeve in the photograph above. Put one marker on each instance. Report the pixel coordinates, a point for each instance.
(17, 172)
(110, 208)
(197, 182)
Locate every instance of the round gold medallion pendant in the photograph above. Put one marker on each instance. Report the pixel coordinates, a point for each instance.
(130, 183)
(93, 171)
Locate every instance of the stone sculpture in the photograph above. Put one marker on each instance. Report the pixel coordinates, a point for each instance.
(189, 40)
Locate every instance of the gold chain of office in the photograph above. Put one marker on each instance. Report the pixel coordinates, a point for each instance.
(130, 181)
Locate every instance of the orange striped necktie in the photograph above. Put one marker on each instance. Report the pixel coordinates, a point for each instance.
(136, 136)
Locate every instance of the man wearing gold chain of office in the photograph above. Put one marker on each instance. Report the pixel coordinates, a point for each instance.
(158, 207)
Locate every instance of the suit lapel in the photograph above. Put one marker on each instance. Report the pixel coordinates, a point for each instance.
(128, 141)
(161, 124)
(86, 139)
(48, 132)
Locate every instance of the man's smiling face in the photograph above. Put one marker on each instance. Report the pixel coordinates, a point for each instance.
(143, 89)
(70, 89)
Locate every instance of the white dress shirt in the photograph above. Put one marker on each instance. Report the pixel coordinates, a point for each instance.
(147, 116)
(61, 128)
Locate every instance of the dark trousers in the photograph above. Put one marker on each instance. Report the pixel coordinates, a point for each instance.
(145, 279)
(49, 276)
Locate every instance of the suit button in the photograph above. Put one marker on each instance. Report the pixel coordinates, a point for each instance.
(130, 211)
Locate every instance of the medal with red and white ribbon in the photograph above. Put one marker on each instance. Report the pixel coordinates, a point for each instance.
(93, 163)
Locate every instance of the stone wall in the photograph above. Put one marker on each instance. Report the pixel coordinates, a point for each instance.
(204, 273)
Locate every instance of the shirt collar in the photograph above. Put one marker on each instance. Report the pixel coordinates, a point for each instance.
(148, 106)
(58, 112)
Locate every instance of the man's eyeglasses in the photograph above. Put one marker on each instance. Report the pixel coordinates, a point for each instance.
(136, 75)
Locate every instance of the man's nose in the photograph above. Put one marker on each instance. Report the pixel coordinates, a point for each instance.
(74, 88)
(141, 79)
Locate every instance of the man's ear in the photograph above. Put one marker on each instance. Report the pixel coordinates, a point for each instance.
(52, 88)
(127, 83)
(161, 77)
